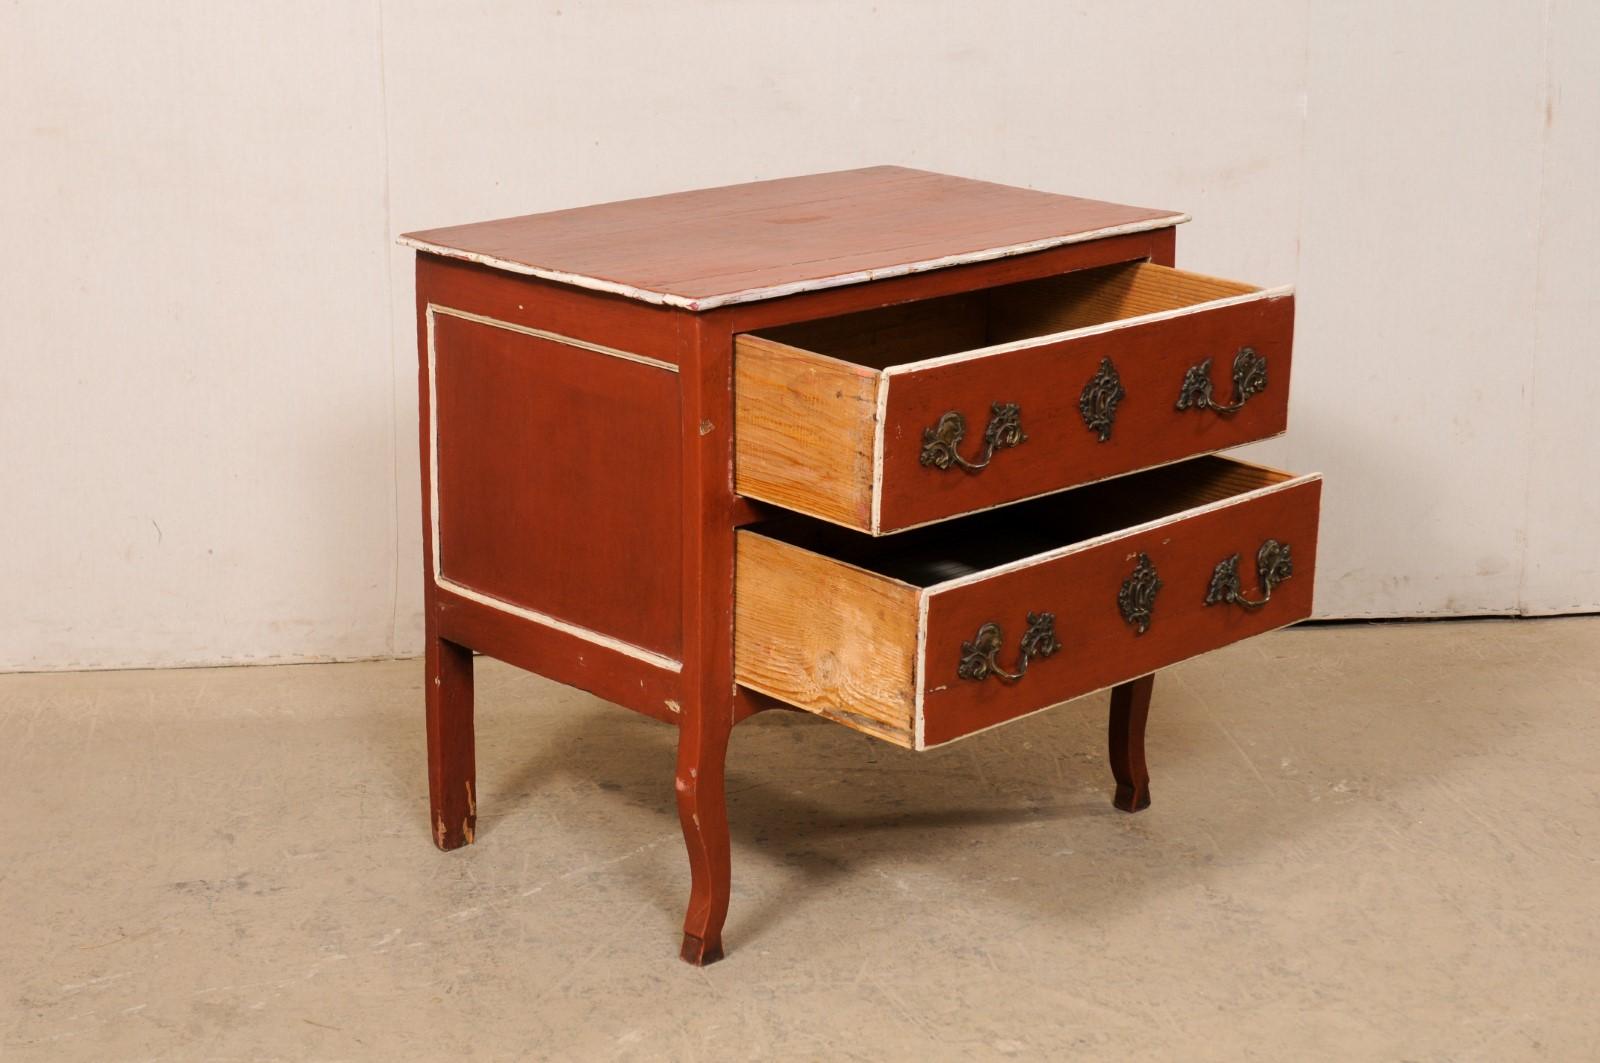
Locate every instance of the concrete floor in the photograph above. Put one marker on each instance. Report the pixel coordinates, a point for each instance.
(1367, 843)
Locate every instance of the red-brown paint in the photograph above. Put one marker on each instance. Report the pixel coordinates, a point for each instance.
(524, 422)
(710, 243)
(1130, 708)
(1099, 649)
(717, 242)
(1046, 381)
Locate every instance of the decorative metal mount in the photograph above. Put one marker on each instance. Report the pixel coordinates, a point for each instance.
(1098, 403)
(1273, 566)
(1137, 597)
(1249, 378)
(978, 656)
(939, 443)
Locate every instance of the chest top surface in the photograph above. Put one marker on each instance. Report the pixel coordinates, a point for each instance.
(717, 246)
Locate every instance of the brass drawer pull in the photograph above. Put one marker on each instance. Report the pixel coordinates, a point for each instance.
(1137, 598)
(1098, 403)
(978, 656)
(1273, 566)
(939, 443)
(1249, 378)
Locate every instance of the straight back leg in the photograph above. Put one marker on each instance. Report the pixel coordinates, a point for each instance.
(452, 774)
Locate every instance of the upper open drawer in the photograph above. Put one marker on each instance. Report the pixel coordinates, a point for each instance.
(891, 418)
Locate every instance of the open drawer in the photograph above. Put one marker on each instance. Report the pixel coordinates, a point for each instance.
(904, 415)
(931, 635)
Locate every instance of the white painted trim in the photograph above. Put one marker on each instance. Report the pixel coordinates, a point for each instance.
(627, 649)
(880, 415)
(553, 337)
(919, 673)
(1101, 329)
(777, 291)
(433, 443)
(1121, 533)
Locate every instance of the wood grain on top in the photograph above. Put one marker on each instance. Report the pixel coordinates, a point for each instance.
(717, 246)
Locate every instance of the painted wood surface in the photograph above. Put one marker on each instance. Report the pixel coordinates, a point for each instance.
(1099, 648)
(554, 490)
(713, 247)
(1130, 710)
(1065, 555)
(817, 395)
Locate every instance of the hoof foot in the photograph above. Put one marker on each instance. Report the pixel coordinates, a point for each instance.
(695, 951)
(1130, 800)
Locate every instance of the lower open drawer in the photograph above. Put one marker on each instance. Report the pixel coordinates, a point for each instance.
(924, 637)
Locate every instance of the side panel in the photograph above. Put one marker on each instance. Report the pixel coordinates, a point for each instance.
(825, 636)
(557, 481)
(1047, 382)
(1098, 647)
(806, 429)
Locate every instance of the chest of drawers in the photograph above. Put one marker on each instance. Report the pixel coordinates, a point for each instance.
(917, 454)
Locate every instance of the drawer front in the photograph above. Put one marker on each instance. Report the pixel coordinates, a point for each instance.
(1133, 374)
(920, 638)
(1103, 635)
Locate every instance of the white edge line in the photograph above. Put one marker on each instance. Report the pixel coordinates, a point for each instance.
(1121, 533)
(553, 337)
(433, 445)
(626, 648)
(879, 415)
(919, 671)
(942, 360)
(750, 295)
(638, 653)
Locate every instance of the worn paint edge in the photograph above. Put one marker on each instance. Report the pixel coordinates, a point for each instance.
(638, 653)
(1121, 533)
(920, 672)
(1280, 292)
(598, 638)
(553, 337)
(751, 295)
(880, 414)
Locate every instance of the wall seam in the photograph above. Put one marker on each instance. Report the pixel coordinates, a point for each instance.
(393, 635)
(1530, 401)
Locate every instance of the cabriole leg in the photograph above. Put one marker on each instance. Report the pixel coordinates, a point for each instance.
(451, 770)
(703, 813)
(1130, 705)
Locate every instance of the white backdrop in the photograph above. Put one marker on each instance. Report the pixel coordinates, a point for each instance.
(207, 437)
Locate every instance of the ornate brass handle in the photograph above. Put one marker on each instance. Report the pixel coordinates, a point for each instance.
(939, 443)
(1098, 402)
(978, 656)
(1137, 596)
(1249, 378)
(1273, 566)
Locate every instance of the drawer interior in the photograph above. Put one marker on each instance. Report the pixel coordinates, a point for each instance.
(934, 554)
(909, 332)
